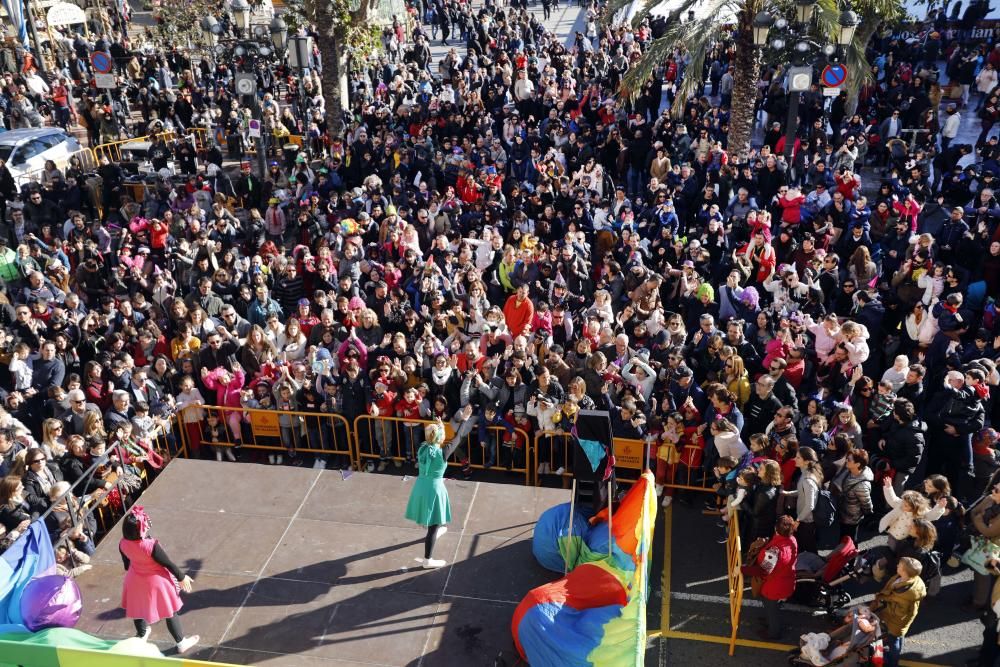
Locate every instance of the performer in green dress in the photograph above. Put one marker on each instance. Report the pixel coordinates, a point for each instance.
(429, 505)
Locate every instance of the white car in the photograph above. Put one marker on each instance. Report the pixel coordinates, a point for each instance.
(26, 150)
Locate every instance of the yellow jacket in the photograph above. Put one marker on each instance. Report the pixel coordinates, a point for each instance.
(897, 604)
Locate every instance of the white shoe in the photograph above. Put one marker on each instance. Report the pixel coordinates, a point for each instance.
(186, 643)
(559, 471)
(441, 530)
(433, 564)
(322, 464)
(370, 467)
(421, 561)
(218, 456)
(270, 459)
(659, 490)
(147, 633)
(316, 464)
(382, 466)
(397, 463)
(229, 455)
(667, 500)
(541, 468)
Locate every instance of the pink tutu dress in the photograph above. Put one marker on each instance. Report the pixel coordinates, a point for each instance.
(149, 591)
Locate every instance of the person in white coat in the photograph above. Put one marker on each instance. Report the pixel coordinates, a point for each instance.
(986, 81)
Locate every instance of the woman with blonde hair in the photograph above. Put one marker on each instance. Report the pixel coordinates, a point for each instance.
(737, 381)
(429, 505)
(93, 428)
(52, 439)
(602, 307)
(676, 330)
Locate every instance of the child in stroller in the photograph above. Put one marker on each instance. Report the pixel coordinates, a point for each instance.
(820, 583)
(850, 644)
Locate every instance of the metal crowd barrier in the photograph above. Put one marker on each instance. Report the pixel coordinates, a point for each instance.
(112, 149)
(734, 565)
(97, 503)
(397, 439)
(631, 458)
(307, 432)
(88, 163)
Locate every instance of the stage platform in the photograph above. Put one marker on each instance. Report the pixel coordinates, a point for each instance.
(301, 567)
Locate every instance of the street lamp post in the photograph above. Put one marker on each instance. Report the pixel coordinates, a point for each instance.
(795, 34)
(299, 52)
(253, 45)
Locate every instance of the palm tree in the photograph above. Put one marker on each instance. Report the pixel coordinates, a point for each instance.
(345, 31)
(733, 21)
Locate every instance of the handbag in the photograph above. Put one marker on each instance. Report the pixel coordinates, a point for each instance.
(981, 551)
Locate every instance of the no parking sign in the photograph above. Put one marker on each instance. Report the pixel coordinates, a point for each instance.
(102, 62)
(834, 76)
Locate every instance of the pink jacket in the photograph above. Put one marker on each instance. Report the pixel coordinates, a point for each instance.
(225, 394)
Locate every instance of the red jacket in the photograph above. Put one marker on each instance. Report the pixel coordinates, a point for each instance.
(467, 190)
(407, 410)
(158, 233)
(518, 316)
(385, 403)
(791, 209)
(776, 564)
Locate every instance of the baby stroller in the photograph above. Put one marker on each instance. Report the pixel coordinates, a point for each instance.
(856, 642)
(819, 582)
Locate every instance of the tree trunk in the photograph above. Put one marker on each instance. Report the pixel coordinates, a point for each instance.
(868, 28)
(746, 70)
(336, 92)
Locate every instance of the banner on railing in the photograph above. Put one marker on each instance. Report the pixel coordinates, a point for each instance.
(265, 424)
(630, 453)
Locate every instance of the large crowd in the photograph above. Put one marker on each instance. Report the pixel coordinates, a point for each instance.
(500, 239)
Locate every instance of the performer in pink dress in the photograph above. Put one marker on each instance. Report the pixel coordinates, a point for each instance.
(152, 583)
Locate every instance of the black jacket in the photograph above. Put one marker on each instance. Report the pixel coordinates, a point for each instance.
(764, 510)
(11, 517)
(74, 468)
(904, 444)
(758, 413)
(355, 395)
(36, 498)
(962, 409)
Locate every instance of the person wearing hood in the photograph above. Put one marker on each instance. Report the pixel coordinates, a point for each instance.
(903, 442)
(855, 339)
(855, 498)
(897, 605)
(727, 440)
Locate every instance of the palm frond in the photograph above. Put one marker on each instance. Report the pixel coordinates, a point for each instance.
(879, 10)
(696, 37)
(613, 8)
(646, 11)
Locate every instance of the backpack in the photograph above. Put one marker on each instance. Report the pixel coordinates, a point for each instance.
(825, 512)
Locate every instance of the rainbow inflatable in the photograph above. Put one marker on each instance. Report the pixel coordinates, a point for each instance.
(596, 614)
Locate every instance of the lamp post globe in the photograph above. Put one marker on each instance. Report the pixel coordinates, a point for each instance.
(240, 9)
(279, 33)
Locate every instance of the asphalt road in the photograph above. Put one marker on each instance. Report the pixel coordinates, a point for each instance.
(698, 605)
